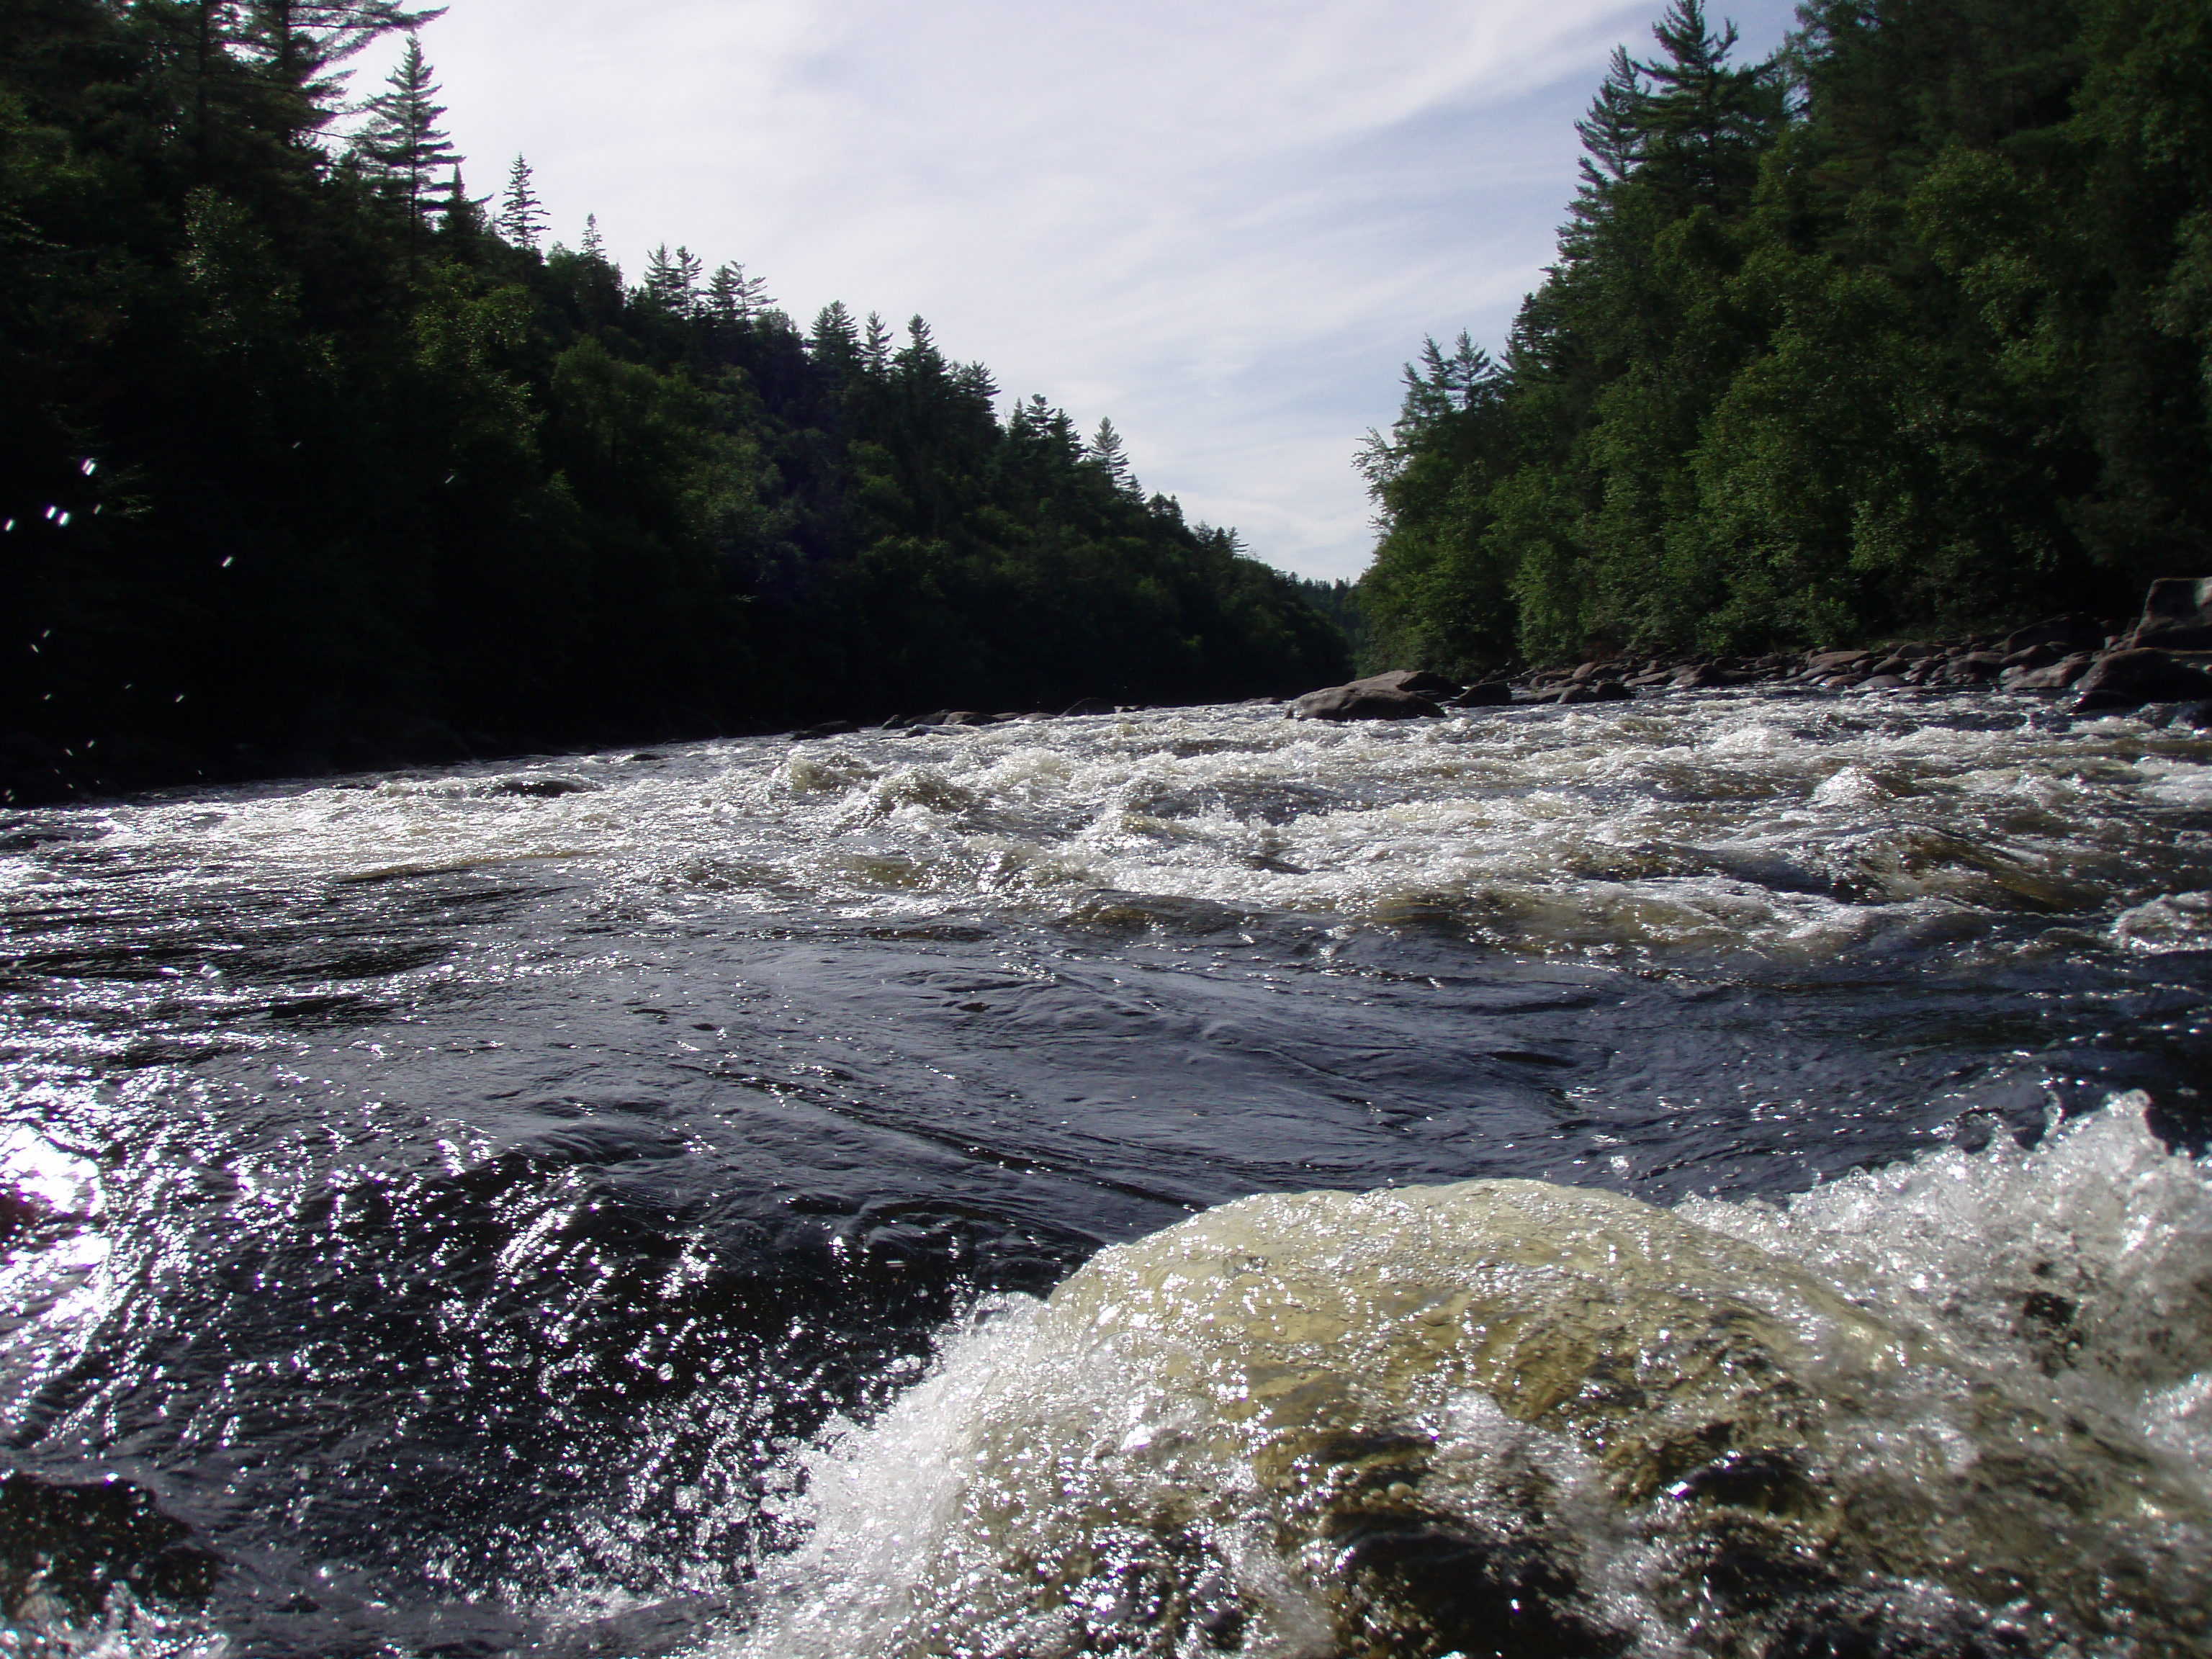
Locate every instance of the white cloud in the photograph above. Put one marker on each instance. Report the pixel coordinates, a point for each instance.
(1225, 226)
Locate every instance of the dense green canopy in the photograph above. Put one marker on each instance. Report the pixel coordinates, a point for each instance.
(307, 459)
(1908, 329)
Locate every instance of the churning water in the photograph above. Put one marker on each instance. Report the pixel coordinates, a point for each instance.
(1712, 1176)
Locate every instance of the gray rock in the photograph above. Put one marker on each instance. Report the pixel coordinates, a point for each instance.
(2127, 679)
(1490, 694)
(1361, 703)
(542, 788)
(1418, 681)
(1837, 662)
(1704, 675)
(2177, 614)
(2052, 677)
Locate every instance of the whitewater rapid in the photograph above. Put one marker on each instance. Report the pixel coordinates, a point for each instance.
(1712, 1174)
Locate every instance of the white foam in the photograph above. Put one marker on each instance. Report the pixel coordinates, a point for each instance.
(2045, 1310)
(1795, 833)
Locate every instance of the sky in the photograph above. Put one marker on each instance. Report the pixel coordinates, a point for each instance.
(1226, 225)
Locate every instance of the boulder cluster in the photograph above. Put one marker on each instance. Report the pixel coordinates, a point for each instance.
(2164, 658)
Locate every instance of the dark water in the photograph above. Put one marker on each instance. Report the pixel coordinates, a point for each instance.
(444, 1207)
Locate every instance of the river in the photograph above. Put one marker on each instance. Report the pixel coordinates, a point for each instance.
(606, 1204)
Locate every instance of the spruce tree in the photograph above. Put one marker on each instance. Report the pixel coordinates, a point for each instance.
(402, 145)
(672, 281)
(522, 218)
(834, 342)
(876, 347)
(1106, 453)
(733, 298)
(301, 43)
(1701, 127)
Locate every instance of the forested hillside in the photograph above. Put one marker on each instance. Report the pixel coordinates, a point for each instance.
(310, 458)
(1908, 329)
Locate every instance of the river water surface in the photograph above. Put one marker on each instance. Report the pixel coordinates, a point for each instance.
(604, 1205)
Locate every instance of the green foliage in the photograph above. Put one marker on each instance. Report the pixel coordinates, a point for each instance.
(305, 461)
(1908, 329)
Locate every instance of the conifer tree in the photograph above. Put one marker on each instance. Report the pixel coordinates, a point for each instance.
(460, 215)
(594, 246)
(876, 347)
(1106, 451)
(1613, 132)
(834, 342)
(522, 218)
(301, 43)
(1702, 124)
(733, 298)
(672, 280)
(402, 144)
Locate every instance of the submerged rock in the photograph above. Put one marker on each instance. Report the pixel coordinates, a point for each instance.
(1596, 691)
(547, 788)
(1509, 1418)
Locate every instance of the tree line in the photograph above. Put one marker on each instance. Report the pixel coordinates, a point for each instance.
(1905, 329)
(310, 458)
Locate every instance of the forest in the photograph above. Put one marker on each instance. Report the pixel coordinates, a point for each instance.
(1906, 329)
(311, 459)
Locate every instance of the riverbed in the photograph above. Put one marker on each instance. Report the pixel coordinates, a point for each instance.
(575, 1205)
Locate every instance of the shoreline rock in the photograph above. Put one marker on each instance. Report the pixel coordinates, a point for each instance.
(2164, 659)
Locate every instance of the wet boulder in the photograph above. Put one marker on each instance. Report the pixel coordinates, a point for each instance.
(1419, 682)
(1597, 691)
(1818, 663)
(827, 729)
(1973, 668)
(2127, 679)
(2050, 676)
(540, 789)
(1706, 676)
(2062, 634)
(1423, 1420)
(2177, 614)
(1490, 693)
(1359, 701)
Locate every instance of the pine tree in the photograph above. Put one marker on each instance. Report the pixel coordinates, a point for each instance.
(1699, 129)
(461, 215)
(1106, 453)
(522, 218)
(876, 347)
(733, 298)
(402, 144)
(672, 281)
(595, 246)
(834, 341)
(302, 42)
(1613, 132)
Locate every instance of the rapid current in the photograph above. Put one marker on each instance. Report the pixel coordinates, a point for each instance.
(1721, 1175)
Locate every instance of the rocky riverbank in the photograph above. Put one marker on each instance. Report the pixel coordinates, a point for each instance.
(2162, 660)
